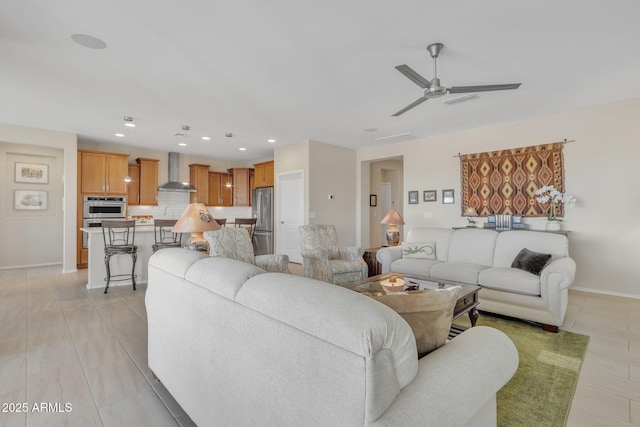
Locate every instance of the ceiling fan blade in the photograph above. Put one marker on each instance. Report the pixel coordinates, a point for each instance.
(413, 76)
(410, 106)
(485, 88)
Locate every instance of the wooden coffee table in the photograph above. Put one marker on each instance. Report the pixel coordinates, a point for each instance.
(467, 301)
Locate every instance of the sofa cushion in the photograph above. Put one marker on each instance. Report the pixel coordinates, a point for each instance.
(441, 236)
(419, 250)
(175, 260)
(473, 245)
(531, 261)
(418, 267)
(429, 312)
(464, 272)
(509, 243)
(220, 275)
(510, 280)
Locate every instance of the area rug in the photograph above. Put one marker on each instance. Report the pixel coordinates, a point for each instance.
(540, 392)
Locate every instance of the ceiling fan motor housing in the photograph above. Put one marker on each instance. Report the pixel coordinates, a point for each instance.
(435, 90)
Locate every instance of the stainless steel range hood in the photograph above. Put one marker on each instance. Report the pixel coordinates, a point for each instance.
(174, 184)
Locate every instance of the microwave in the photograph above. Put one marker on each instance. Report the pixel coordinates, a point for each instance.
(104, 207)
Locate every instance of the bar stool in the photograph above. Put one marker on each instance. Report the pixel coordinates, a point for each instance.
(119, 237)
(222, 222)
(164, 235)
(248, 223)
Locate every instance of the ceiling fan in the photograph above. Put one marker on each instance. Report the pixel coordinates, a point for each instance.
(432, 89)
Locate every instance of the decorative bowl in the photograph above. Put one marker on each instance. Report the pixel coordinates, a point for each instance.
(388, 286)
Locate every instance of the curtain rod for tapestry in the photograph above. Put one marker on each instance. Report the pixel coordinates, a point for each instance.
(563, 142)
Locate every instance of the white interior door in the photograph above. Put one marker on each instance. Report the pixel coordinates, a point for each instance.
(385, 205)
(290, 214)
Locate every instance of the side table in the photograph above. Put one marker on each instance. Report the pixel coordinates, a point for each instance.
(369, 257)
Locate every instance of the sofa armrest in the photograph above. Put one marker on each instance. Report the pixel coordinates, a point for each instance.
(352, 253)
(455, 381)
(274, 263)
(559, 274)
(386, 256)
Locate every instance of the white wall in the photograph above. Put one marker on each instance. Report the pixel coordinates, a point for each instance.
(600, 170)
(332, 173)
(29, 240)
(328, 170)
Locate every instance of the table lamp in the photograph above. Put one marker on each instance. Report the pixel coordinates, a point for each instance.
(470, 212)
(196, 219)
(392, 218)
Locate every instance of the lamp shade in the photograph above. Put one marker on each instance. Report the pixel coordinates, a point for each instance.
(392, 217)
(196, 219)
(470, 211)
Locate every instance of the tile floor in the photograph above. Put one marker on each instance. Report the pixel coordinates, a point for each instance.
(61, 343)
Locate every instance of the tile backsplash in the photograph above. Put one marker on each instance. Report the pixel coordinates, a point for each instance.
(171, 204)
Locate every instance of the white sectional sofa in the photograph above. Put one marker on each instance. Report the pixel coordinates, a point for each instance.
(237, 346)
(484, 257)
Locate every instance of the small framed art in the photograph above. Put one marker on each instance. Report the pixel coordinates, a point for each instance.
(29, 199)
(373, 200)
(32, 173)
(429, 195)
(413, 197)
(447, 197)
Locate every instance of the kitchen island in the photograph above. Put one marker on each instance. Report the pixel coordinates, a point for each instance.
(120, 264)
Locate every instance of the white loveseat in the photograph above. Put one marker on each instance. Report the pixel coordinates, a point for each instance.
(484, 257)
(237, 346)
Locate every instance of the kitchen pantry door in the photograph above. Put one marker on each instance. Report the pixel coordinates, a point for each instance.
(290, 214)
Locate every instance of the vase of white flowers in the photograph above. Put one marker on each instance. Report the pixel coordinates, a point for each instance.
(549, 195)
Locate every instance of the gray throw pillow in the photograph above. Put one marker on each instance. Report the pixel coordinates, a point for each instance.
(420, 250)
(531, 261)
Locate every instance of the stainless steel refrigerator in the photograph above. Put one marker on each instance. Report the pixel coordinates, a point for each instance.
(262, 209)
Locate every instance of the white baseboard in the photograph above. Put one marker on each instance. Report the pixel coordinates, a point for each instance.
(601, 292)
(16, 267)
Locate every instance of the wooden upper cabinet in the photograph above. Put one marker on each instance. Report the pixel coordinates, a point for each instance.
(226, 189)
(199, 179)
(264, 174)
(148, 181)
(241, 186)
(133, 187)
(93, 167)
(103, 173)
(215, 196)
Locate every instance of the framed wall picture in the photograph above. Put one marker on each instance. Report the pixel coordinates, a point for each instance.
(32, 173)
(447, 197)
(30, 200)
(413, 197)
(429, 195)
(373, 200)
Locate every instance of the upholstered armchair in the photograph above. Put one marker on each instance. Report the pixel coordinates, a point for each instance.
(322, 259)
(235, 243)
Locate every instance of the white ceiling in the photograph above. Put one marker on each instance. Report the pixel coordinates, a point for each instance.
(301, 69)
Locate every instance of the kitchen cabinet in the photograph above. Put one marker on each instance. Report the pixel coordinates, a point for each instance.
(252, 185)
(148, 181)
(264, 174)
(133, 186)
(219, 193)
(143, 188)
(199, 179)
(102, 173)
(241, 186)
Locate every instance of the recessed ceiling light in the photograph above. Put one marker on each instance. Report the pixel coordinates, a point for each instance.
(128, 121)
(242, 149)
(271, 140)
(88, 41)
(182, 144)
(119, 135)
(206, 138)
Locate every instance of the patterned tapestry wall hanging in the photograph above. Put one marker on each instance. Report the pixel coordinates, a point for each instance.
(504, 182)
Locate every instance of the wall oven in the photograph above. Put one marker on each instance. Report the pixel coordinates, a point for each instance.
(96, 208)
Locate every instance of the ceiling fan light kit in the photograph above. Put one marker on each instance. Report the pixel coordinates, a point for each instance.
(433, 89)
